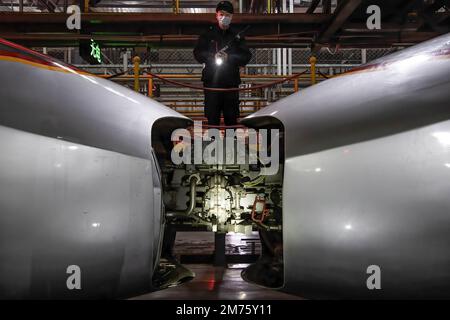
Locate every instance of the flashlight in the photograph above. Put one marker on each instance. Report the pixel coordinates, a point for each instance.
(219, 61)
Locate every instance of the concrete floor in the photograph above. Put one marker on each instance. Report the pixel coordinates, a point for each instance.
(216, 283)
(191, 243)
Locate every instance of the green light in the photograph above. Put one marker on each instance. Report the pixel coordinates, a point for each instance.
(95, 51)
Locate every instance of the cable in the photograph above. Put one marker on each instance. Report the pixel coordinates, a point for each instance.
(336, 49)
(225, 89)
(116, 75)
(323, 75)
(254, 182)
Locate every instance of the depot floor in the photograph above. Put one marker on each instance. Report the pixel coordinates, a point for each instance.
(212, 282)
(216, 283)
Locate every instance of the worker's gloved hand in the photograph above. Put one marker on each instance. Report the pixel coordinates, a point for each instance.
(221, 57)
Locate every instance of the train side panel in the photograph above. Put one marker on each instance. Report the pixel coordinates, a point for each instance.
(79, 185)
(65, 204)
(366, 178)
(382, 203)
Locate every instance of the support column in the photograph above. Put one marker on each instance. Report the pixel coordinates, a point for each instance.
(136, 61)
(125, 61)
(279, 61)
(289, 62)
(363, 56)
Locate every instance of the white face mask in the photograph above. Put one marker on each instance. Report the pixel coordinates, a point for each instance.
(225, 21)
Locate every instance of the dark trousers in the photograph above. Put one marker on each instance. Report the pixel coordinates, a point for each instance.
(226, 102)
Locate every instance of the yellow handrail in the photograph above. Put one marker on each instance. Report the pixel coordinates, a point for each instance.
(313, 61)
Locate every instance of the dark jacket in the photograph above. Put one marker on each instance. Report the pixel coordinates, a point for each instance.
(227, 74)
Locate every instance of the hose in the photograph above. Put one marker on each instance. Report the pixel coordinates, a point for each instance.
(175, 214)
(266, 227)
(191, 207)
(192, 194)
(254, 182)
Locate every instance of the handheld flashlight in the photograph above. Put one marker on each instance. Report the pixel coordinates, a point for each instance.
(219, 61)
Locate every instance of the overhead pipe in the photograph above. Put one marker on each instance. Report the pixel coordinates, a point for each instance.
(163, 17)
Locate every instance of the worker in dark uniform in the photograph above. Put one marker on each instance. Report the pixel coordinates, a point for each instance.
(222, 52)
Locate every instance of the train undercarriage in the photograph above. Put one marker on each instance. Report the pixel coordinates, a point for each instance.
(224, 198)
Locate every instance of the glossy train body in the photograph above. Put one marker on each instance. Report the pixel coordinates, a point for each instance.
(79, 184)
(367, 178)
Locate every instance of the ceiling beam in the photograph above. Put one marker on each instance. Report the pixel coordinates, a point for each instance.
(326, 6)
(388, 27)
(344, 9)
(158, 18)
(182, 30)
(313, 6)
(429, 16)
(401, 15)
(431, 20)
(104, 7)
(175, 40)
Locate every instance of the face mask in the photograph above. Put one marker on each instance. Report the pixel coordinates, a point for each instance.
(225, 21)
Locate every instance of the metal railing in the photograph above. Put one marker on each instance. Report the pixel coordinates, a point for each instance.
(190, 102)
